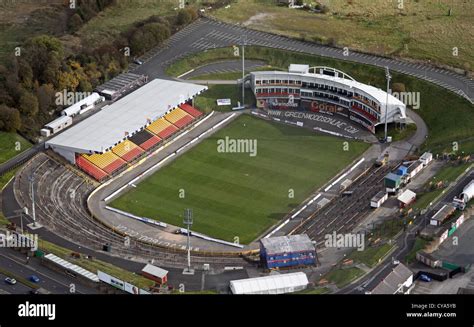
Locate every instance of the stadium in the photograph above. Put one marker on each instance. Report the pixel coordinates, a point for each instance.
(142, 150)
(326, 90)
(137, 149)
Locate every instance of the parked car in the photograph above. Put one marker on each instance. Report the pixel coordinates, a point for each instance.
(34, 279)
(396, 262)
(425, 278)
(39, 291)
(10, 281)
(138, 62)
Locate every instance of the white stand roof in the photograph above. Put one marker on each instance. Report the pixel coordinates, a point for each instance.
(273, 284)
(108, 127)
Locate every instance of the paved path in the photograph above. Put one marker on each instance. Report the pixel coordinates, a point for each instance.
(205, 34)
(227, 66)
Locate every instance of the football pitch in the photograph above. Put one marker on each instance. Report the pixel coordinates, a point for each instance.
(241, 194)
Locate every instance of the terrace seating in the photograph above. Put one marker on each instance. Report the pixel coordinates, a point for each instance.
(97, 173)
(145, 139)
(179, 118)
(162, 128)
(191, 110)
(127, 150)
(108, 161)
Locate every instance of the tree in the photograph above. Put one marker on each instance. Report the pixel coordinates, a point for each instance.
(25, 73)
(45, 94)
(44, 54)
(9, 119)
(75, 22)
(28, 104)
(184, 17)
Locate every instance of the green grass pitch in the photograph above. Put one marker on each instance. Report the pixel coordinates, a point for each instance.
(235, 194)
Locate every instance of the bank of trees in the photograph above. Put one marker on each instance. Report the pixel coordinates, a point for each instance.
(30, 81)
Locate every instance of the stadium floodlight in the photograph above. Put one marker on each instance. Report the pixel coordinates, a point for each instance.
(244, 41)
(389, 77)
(34, 225)
(33, 212)
(188, 221)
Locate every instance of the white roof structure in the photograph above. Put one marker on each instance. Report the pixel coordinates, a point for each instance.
(58, 122)
(287, 244)
(301, 69)
(273, 284)
(394, 281)
(340, 79)
(468, 192)
(76, 107)
(155, 271)
(72, 267)
(379, 94)
(108, 127)
(407, 196)
(426, 156)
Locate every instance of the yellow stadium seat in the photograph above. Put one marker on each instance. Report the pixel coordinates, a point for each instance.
(101, 160)
(158, 126)
(176, 115)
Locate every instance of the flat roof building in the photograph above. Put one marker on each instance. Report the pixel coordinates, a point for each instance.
(442, 214)
(121, 85)
(398, 281)
(406, 198)
(273, 284)
(115, 123)
(287, 251)
(155, 273)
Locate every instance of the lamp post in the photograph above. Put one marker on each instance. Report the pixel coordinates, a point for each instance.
(33, 225)
(389, 77)
(188, 221)
(244, 41)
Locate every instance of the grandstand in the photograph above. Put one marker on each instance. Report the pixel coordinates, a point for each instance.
(107, 142)
(326, 90)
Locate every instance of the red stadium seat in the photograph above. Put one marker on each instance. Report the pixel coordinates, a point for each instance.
(93, 171)
(151, 142)
(183, 121)
(114, 166)
(191, 110)
(167, 132)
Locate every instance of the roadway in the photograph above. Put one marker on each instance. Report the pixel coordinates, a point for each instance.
(205, 34)
(56, 283)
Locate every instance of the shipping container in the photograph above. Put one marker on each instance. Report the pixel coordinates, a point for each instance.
(392, 181)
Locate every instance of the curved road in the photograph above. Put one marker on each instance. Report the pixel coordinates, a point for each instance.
(205, 34)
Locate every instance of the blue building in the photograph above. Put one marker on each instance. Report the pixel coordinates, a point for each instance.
(402, 171)
(287, 251)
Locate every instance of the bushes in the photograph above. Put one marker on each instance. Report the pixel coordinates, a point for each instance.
(10, 120)
(85, 11)
(186, 16)
(149, 35)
